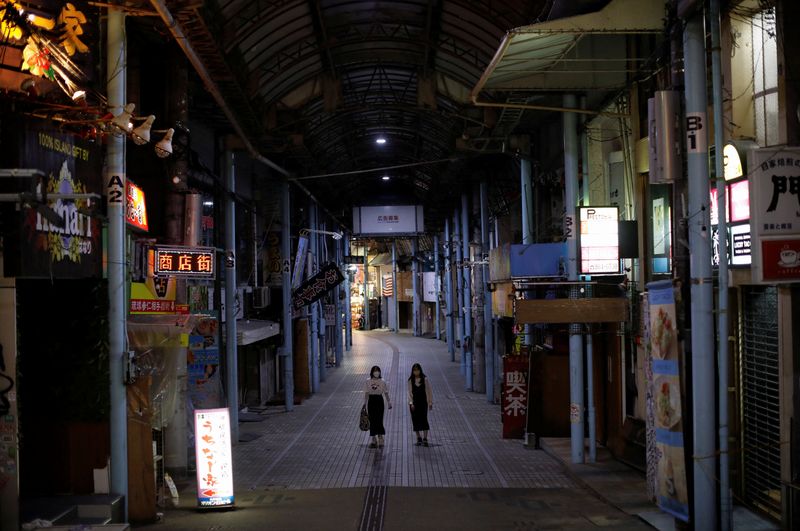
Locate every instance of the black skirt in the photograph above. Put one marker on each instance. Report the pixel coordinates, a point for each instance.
(375, 412)
(419, 415)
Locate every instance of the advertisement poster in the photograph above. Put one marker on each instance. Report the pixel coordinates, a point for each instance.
(515, 396)
(212, 431)
(273, 260)
(671, 489)
(774, 214)
(59, 238)
(204, 384)
(153, 296)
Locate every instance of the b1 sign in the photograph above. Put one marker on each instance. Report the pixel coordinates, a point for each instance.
(212, 435)
(382, 220)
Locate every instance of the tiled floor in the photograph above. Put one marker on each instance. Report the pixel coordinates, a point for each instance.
(319, 444)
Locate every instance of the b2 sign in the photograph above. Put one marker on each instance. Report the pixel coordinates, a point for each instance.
(599, 239)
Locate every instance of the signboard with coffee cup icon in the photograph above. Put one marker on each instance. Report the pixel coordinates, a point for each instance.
(775, 214)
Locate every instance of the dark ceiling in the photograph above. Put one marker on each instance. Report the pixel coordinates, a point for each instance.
(316, 82)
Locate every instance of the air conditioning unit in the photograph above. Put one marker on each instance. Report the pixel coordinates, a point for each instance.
(260, 297)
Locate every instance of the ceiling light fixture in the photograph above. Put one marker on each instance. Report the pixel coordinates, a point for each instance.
(164, 146)
(141, 135)
(380, 140)
(385, 177)
(123, 120)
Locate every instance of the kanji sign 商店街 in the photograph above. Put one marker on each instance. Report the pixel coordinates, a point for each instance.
(188, 262)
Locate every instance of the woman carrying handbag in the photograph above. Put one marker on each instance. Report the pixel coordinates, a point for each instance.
(374, 392)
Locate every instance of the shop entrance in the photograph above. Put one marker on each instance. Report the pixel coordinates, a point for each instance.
(760, 409)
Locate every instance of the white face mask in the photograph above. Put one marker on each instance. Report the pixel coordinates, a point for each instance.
(376, 374)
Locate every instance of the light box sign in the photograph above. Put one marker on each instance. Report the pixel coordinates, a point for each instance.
(136, 210)
(381, 220)
(599, 240)
(775, 213)
(212, 435)
(186, 262)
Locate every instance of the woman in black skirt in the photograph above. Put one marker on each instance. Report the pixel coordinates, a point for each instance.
(374, 392)
(420, 400)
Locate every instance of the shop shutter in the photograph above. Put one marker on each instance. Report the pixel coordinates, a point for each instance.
(761, 456)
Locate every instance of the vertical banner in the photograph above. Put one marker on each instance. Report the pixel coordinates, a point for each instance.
(212, 432)
(204, 384)
(299, 261)
(650, 412)
(515, 396)
(671, 490)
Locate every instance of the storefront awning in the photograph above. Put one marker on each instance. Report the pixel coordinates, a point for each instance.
(251, 330)
(576, 54)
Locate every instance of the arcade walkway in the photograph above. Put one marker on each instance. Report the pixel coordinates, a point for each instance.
(312, 469)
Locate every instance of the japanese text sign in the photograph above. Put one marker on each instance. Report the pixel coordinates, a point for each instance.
(775, 192)
(135, 210)
(187, 262)
(212, 434)
(515, 396)
(315, 287)
(599, 240)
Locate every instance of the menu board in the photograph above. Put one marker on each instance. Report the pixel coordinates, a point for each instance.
(212, 434)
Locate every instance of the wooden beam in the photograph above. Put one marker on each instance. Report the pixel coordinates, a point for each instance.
(598, 310)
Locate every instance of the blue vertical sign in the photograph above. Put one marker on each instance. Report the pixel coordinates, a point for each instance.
(671, 489)
(300, 261)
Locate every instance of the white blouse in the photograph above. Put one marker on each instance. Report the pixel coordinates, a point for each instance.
(376, 386)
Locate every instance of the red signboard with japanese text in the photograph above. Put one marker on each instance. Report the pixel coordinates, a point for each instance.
(212, 432)
(515, 396)
(135, 208)
(780, 259)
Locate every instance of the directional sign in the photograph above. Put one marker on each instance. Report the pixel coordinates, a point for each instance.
(315, 287)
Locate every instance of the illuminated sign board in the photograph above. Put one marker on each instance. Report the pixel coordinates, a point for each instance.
(731, 162)
(599, 240)
(136, 210)
(212, 435)
(740, 243)
(394, 219)
(187, 262)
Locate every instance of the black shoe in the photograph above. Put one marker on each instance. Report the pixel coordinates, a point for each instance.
(419, 441)
(373, 445)
(424, 442)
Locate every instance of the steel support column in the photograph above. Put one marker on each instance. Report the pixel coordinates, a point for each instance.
(448, 287)
(115, 193)
(415, 286)
(722, 306)
(528, 236)
(576, 378)
(590, 397)
(488, 329)
(348, 314)
(436, 326)
(395, 291)
(459, 287)
(286, 275)
(467, 276)
(311, 270)
(337, 302)
(365, 306)
(702, 330)
(322, 323)
(231, 352)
